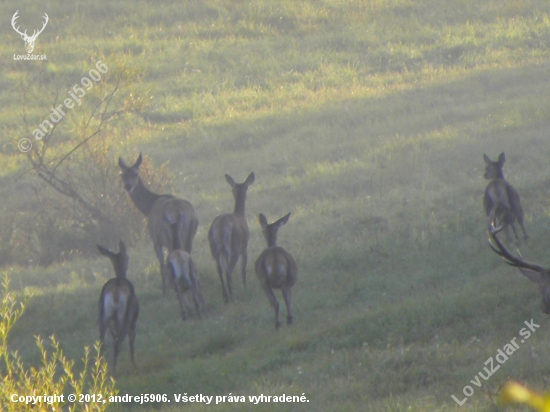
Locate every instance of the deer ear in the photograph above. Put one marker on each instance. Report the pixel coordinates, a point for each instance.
(250, 179)
(121, 164)
(104, 251)
(138, 161)
(263, 221)
(282, 221)
(487, 160)
(230, 180)
(501, 159)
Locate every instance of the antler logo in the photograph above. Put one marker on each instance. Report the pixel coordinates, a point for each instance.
(29, 40)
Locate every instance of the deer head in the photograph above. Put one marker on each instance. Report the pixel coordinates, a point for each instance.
(118, 259)
(270, 230)
(29, 40)
(493, 170)
(130, 174)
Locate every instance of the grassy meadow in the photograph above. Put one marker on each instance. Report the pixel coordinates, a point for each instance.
(368, 121)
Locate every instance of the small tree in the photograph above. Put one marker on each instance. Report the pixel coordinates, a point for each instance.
(77, 198)
(55, 376)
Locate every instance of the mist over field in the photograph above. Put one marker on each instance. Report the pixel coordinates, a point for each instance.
(366, 120)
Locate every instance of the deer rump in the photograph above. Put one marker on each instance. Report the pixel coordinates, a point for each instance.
(117, 298)
(276, 268)
(168, 218)
(181, 276)
(228, 237)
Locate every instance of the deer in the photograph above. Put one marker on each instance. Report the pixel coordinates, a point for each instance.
(167, 216)
(228, 237)
(502, 197)
(29, 40)
(535, 273)
(181, 273)
(118, 306)
(276, 268)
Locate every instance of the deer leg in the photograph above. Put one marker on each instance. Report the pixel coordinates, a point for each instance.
(183, 302)
(507, 232)
(122, 331)
(200, 297)
(196, 301)
(244, 259)
(102, 336)
(160, 257)
(201, 301)
(134, 313)
(520, 221)
(131, 338)
(274, 303)
(286, 296)
(197, 295)
(229, 273)
(181, 297)
(515, 233)
(112, 352)
(114, 345)
(191, 234)
(220, 274)
(115, 355)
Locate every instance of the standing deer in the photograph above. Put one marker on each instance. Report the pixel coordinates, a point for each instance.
(167, 216)
(118, 306)
(502, 197)
(535, 273)
(181, 273)
(228, 236)
(276, 268)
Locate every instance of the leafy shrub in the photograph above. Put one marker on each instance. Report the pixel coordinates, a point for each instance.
(74, 197)
(54, 227)
(54, 377)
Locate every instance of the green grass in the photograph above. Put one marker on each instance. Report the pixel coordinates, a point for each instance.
(367, 120)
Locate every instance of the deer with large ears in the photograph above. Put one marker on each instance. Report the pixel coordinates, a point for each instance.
(167, 216)
(501, 197)
(535, 273)
(228, 237)
(181, 274)
(118, 306)
(276, 268)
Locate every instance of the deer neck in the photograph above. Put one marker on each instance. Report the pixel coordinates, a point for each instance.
(120, 274)
(499, 175)
(120, 271)
(143, 198)
(239, 206)
(272, 240)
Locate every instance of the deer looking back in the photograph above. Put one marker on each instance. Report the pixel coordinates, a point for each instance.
(502, 197)
(276, 268)
(118, 306)
(228, 236)
(167, 216)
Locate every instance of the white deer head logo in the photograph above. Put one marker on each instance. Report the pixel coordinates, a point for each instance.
(29, 40)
